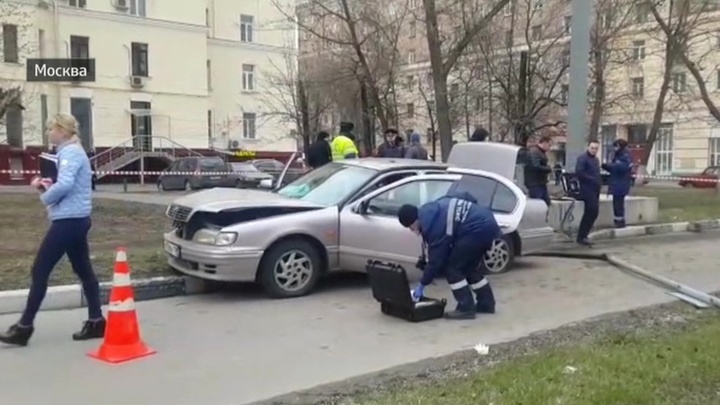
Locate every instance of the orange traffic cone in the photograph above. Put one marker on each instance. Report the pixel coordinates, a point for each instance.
(122, 334)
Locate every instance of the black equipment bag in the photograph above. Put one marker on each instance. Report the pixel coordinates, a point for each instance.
(390, 287)
(571, 185)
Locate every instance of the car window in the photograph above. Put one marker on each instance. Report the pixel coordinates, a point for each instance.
(207, 165)
(488, 192)
(329, 185)
(173, 167)
(185, 165)
(385, 181)
(243, 168)
(415, 193)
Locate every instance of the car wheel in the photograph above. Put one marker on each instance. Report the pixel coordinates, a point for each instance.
(160, 186)
(239, 184)
(500, 257)
(687, 185)
(188, 186)
(290, 269)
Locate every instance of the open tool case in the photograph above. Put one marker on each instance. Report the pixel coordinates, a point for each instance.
(391, 289)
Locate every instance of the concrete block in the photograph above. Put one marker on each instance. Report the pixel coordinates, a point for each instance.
(705, 225)
(680, 226)
(659, 229)
(603, 234)
(60, 297)
(631, 231)
(198, 286)
(638, 211)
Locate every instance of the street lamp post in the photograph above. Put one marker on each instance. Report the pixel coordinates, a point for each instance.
(581, 24)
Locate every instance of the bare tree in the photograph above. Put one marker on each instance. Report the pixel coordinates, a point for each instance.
(678, 22)
(526, 56)
(299, 98)
(364, 36)
(444, 56)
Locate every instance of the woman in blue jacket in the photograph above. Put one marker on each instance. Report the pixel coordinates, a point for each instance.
(620, 180)
(69, 205)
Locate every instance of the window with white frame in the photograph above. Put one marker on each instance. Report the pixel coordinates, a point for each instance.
(246, 28)
(664, 150)
(412, 4)
(77, 3)
(249, 125)
(410, 110)
(538, 4)
(637, 87)
(508, 9)
(138, 8)
(536, 32)
(411, 57)
(413, 29)
(248, 77)
(679, 82)
(638, 50)
(714, 152)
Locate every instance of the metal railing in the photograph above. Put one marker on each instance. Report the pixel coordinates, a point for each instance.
(135, 147)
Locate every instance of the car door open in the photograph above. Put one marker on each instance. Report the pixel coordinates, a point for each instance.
(369, 228)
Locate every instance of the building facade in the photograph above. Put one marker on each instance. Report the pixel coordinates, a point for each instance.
(168, 73)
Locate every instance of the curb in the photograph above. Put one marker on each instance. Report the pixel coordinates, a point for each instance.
(71, 296)
(656, 229)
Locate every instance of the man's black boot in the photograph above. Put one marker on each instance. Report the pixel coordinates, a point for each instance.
(466, 305)
(92, 329)
(584, 242)
(485, 300)
(17, 335)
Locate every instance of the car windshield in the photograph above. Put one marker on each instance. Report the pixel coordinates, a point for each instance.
(328, 185)
(244, 167)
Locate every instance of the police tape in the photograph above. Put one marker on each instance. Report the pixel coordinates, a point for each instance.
(637, 177)
(149, 173)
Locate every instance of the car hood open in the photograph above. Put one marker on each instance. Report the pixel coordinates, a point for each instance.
(219, 199)
(493, 157)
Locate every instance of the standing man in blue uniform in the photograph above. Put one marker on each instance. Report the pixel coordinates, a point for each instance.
(458, 233)
(620, 179)
(587, 170)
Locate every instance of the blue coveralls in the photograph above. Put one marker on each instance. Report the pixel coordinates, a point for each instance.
(620, 179)
(458, 233)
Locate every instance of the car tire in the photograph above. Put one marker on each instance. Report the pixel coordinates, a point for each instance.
(688, 185)
(239, 184)
(306, 262)
(501, 256)
(161, 186)
(188, 186)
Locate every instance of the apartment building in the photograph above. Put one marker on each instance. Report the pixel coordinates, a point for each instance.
(633, 47)
(194, 73)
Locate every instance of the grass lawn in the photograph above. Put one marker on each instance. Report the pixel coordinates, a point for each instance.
(670, 368)
(138, 227)
(683, 204)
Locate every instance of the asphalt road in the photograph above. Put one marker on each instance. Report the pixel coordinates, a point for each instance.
(237, 347)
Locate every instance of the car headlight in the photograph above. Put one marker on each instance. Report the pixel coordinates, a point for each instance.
(206, 236)
(225, 238)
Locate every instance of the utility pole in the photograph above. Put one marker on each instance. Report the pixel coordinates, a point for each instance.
(582, 11)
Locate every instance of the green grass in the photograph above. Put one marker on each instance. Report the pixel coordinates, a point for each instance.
(137, 227)
(670, 368)
(683, 204)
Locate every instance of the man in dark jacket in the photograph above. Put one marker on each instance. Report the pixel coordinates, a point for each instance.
(587, 170)
(319, 152)
(620, 179)
(416, 150)
(480, 135)
(536, 170)
(458, 234)
(390, 148)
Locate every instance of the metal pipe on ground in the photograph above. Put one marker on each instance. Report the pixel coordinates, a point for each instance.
(638, 272)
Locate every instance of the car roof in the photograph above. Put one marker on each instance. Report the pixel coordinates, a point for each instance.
(382, 164)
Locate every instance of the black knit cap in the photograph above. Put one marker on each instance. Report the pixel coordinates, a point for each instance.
(407, 215)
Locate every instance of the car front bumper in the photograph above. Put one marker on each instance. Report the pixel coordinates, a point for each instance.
(217, 263)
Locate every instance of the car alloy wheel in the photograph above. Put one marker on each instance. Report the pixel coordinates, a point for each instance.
(498, 258)
(293, 270)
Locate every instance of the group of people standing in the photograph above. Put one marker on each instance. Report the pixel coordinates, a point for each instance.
(588, 172)
(325, 150)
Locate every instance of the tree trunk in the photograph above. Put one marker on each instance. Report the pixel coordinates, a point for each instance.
(439, 75)
(659, 106)
(366, 142)
(599, 99)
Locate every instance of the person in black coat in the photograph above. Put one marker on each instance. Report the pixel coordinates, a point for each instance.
(537, 169)
(319, 152)
(587, 170)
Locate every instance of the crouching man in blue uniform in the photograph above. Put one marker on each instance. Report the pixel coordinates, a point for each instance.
(458, 233)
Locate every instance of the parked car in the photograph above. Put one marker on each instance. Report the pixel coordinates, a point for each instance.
(342, 214)
(707, 179)
(275, 168)
(245, 175)
(191, 173)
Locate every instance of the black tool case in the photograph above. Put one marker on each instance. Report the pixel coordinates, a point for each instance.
(391, 289)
